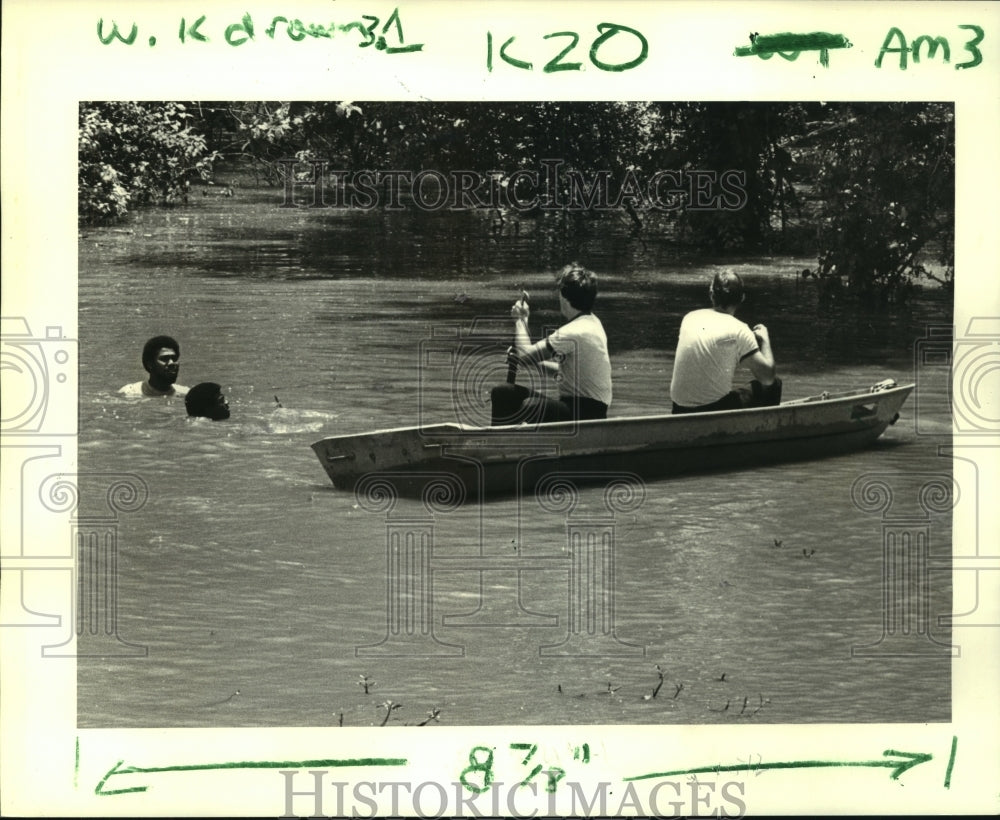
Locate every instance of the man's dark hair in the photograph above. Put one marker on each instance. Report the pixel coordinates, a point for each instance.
(155, 345)
(727, 289)
(579, 286)
(202, 400)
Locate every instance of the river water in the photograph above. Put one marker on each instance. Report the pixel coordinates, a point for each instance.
(261, 596)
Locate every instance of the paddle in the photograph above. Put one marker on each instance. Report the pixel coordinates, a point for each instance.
(512, 350)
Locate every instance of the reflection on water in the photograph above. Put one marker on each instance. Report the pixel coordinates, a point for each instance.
(246, 571)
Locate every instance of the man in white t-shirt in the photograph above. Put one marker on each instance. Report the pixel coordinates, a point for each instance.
(161, 359)
(711, 344)
(576, 354)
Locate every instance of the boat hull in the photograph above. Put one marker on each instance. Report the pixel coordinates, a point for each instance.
(467, 461)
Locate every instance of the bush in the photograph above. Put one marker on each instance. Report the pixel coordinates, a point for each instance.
(136, 153)
(887, 187)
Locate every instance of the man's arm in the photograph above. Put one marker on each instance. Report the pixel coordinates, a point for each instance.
(761, 362)
(528, 353)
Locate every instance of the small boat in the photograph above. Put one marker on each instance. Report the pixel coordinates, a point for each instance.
(471, 461)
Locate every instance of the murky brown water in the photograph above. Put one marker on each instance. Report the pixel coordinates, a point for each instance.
(245, 571)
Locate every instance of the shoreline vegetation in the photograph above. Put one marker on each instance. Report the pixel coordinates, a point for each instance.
(865, 189)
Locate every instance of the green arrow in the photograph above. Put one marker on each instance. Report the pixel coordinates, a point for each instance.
(899, 762)
(118, 768)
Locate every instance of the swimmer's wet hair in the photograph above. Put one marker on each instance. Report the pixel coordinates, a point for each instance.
(201, 398)
(155, 345)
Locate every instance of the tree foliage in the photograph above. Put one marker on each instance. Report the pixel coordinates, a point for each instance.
(886, 185)
(750, 138)
(449, 136)
(136, 153)
(872, 183)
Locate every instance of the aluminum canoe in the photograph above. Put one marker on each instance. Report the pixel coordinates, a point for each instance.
(477, 461)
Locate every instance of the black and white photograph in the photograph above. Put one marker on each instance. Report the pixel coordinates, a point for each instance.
(483, 551)
(582, 444)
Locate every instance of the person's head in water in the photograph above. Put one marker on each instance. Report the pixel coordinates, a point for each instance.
(161, 359)
(206, 400)
(726, 290)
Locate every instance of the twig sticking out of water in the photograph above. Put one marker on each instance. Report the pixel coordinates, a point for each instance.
(559, 690)
(366, 683)
(432, 715)
(389, 707)
(340, 718)
(745, 709)
(224, 700)
(659, 684)
(678, 690)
